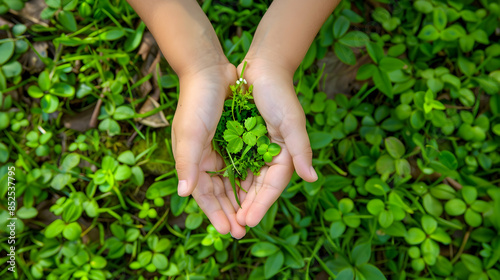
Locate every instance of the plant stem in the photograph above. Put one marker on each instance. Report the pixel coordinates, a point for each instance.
(462, 247)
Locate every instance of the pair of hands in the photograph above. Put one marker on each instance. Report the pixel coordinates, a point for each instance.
(198, 112)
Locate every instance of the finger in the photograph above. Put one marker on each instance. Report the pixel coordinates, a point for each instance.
(230, 193)
(187, 149)
(275, 181)
(297, 142)
(250, 196)
(237, 231)
(208, 202)
(245, 185)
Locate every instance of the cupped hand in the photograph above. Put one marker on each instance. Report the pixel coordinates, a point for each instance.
(199, 109)
(275, 97)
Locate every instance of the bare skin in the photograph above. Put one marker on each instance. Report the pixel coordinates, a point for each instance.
(191, 47)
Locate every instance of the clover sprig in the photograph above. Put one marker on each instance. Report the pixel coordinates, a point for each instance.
(241, 136)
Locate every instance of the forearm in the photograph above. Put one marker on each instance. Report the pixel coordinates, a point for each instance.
(183, 32)
(288, 29)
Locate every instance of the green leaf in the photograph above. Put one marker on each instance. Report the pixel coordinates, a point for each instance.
(267, 157)
(382, 82)
(144, 258)
(375, 51)
(26, 213)
(127, 157)
(235, 127)
(467, 67)
(386, 218)
(123, 172)
(4, 151)
(361, 254)
(332, 215)
(369, 271)
(110, 125)
(451, 33)
(72, 231)
(366, 71)
(385, 165)
(70, 161)
(429, 224)
(234, 142)
(98, 262)
(249, 139)
(340, 26)
(62, 90)
(455, 207)
(376, 186)
(263, 249)
(194, 220)
(472, 263)
(389, 64)
(320, 140)
(439, 18)
(345, 274)
(355, 39)
(112, 34)
(394, 147)
(441, 236)
(67, 20)
(134, 39)
(123, 112)
(469, 194)
(54, 229)
(345, 54)
(415, 236)
(3, 81)
(396, 50)
(49, 103)
(472, 218)
(375, 206)
(480, 36)
(12, 69)
(428, 33)
(259, 130)
(160, 261)
(6, 49)
(423, 6)
(346, 205)
(337, 229)
(350, 123)
(273, 264)
(35, 92)
(274, 149)
(250, 123)
(60, 181)
(496, 129)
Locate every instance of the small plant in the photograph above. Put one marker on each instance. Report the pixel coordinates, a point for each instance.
(240, 138)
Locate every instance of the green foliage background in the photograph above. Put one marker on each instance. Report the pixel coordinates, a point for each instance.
(408, 163)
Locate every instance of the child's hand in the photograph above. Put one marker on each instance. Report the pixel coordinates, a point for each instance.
(277, 102)
(201, 99)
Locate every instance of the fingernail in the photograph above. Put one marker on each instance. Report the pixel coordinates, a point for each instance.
(182, 187)
(313, 173)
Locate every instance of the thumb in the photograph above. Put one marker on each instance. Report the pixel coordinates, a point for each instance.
(297, 142)
(187, 147)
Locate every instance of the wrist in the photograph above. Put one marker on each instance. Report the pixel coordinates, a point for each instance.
(263, 70)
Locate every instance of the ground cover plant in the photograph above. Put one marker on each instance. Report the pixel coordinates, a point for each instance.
(403, 108)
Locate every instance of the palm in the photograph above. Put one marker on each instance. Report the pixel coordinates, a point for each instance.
(276, 100)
